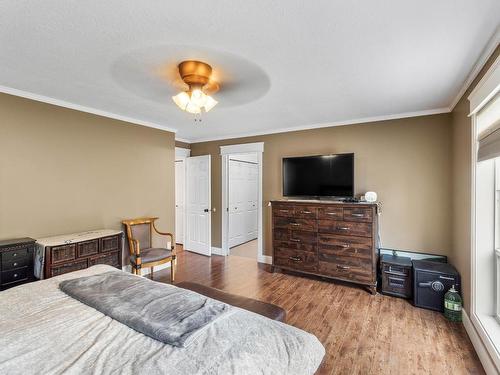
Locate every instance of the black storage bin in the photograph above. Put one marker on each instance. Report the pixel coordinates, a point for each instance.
(396, 275)
(431, 280)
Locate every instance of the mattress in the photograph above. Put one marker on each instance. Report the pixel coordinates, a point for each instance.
(44, 331)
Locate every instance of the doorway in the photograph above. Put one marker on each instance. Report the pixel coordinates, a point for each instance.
(242, 201)
(242, 204)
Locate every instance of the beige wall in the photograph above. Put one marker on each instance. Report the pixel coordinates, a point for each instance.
(461, 148)
(63, 171)
(406, 161)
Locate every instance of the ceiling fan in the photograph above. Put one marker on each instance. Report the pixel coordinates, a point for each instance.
(199, 86)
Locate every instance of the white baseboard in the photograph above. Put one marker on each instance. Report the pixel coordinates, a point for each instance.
(265, 259)
(146, 271)
(481, 350)
(218, 251)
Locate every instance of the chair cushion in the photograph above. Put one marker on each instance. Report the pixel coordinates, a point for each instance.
(153, 255)
(263, 308)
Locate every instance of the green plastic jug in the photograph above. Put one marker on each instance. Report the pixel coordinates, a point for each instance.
(453, 305)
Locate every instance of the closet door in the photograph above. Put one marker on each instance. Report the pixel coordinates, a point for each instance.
(251, 196)
(252, 203)
(179, 201)
(243, 196)
(236, 207)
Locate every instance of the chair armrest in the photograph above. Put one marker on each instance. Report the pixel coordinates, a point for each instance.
(165, 234)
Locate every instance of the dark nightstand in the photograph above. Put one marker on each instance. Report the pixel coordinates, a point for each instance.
(16, 262)
(396, 275)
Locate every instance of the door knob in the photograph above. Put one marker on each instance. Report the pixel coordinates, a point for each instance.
(205, 210)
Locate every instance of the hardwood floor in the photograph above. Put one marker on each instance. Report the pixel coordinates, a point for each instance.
(247, 250)
(362, 334)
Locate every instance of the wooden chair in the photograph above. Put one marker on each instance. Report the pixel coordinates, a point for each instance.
(142, 252)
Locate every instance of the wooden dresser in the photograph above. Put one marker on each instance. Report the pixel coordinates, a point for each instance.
(63, 254)
(16, 262)
(329, 239)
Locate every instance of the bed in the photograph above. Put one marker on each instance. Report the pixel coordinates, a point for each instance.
(45, 331)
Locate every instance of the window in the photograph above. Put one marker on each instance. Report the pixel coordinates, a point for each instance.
(485, 212)
(497, 237)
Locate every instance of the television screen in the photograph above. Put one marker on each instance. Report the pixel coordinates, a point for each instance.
(319, 176)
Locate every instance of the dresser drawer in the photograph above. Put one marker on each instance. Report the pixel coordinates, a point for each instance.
(299, 236)
(63, 253)
(364, 215)
(14, 275)
(68, 267)
(11, 264)
(310, 225)
(87, 248)
(347, 268)
(357, 247)
(110, 243)
(110, 258)
(295, 259)
(295, 236)
(16, 255)
(295, 246)
(283, 211)
(306, 212)
(331, 213)
(345, 228)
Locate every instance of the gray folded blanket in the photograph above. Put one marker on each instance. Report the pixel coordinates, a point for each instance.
(163, 312)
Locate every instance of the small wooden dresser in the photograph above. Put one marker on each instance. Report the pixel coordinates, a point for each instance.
(329, 239)
(16, 262)
(77, 251)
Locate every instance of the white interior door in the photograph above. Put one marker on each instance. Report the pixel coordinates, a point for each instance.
(242, 204)
(236, 204)
(179, 200)
(197, 233)
(253, 197)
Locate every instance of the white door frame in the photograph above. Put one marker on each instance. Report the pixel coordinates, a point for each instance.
(225, 151)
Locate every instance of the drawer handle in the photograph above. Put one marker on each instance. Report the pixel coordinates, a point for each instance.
(14, 264)
(306, 212)
(14, 255)
(346, 245)
(342, 228)
(15, 276)
(332, 213)
(295, 224)
(295, 259)
(284, 210)
(358, 215)
(342, 267)
(294, 240)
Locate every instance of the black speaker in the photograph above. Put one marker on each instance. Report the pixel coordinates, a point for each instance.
(431, 280)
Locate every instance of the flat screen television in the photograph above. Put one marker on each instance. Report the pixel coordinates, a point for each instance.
(319, 176)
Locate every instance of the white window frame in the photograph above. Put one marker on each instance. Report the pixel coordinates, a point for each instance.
(487, 328)
(497, 238)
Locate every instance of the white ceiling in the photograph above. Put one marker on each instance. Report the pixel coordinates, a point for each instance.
(286, 64)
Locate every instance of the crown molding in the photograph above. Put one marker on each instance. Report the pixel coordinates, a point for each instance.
(483, 58)
(184, 140)
(81, 108)
(364, 120)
